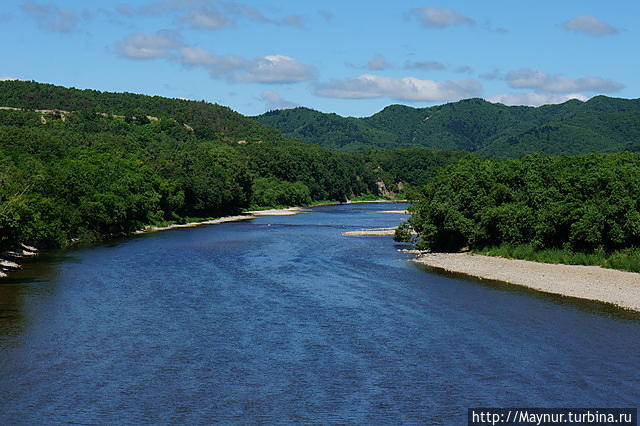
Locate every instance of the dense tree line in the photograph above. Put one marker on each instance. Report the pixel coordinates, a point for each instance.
(581, 203)
(90, 176)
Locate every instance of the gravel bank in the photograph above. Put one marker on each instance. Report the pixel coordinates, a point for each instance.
(584, 282)
(370, 231)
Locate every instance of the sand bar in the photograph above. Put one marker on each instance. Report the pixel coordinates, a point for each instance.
(584, 282)
(278, 212)
(194, 224)
(370, 231)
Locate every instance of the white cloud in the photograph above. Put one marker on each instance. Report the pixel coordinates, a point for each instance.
(207, 18)
(407, 89)
(532, 79)
(266, 69)
(425, 65)
(273, 100)
(51, 17)
(431, 17)
(274, 69)
(149, 46)
(243, 10)
(7, 78)
(218, 66)
(210, 14)
(591, 25)
(377, 63)
(535, 98)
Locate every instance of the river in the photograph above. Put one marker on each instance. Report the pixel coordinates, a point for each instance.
(282, 319)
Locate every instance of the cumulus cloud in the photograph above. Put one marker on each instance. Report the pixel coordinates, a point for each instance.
(430, 17)
(218, 66)
(149, 46)
(266, 69)
(377, 63)
(51, 17)
(532, 79)
(590, 25)
(535, 98)
(7, 78)
(274, 69)
(406, 89)
(273, 100)
(425, 65)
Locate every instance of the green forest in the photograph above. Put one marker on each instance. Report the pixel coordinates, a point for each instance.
(89, 168)
(602, 124)
(573, 209)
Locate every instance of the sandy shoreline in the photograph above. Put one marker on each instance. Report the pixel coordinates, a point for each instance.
(584, 282)
(244, 216)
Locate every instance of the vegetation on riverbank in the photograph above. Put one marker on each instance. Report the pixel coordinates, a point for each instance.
(579, 209)
(625, 260)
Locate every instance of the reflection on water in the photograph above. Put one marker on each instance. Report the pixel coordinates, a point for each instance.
(283, 319)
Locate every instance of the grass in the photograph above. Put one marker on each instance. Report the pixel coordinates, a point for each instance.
(625, 260)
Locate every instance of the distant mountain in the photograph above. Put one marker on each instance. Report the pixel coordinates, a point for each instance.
(601, 124)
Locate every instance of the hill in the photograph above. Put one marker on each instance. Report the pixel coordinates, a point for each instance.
(602, 124)
(210, 121)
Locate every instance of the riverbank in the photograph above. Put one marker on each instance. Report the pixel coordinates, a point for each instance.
(11, 260)
(252, 214)
(584, 282)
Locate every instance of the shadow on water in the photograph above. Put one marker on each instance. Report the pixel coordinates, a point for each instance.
(34, 277)
(590, 306)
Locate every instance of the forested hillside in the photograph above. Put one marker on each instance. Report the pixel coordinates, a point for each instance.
(601, 124)
(101, 167)
(207, 120)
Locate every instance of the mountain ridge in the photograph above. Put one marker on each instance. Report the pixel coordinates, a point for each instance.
(473, 125)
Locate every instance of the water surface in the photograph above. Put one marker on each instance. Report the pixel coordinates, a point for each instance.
(282, 319)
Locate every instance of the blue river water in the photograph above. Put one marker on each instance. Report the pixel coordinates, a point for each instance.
(282, 319)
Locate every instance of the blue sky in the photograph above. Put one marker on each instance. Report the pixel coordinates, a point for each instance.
(347, 56)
